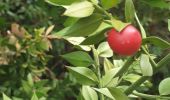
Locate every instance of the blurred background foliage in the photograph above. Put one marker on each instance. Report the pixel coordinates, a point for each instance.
(29, 13)
(28, 65)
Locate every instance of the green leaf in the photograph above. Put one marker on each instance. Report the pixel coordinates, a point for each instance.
(26, 87)
(78, 58)
(104, 50)
(75, 40)
(44, 44)
(70, 21)
(157, 3)
(79, 9)
(146, 67)
(112, 93)
(30, 80)
(129, 11)
(39, 32)
(5, 97)
(61, 2)
(34, 97)
(104, 26)
(157, 42)
(85, 26)
(141, 27)
(164, 87)
(107, 4)
(117, 94)
(95, 1)
(83, 75)
(61, 33)
(97, 35)
(83, 47)
(131, 77)
(105, 92)
(169, 24)
(118, 63)
(94, 39)
(117, 24)
(88, 93)
(107, 65)
(41, 83)
(109, 77)
(135, 67)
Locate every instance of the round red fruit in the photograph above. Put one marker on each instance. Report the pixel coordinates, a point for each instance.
(126, 42)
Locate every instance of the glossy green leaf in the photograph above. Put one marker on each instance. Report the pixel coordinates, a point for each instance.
(157, 42)
(107, 4)
(5, 97)
(107, 65)
(112, 93)
(97, 35)
(88, 93)
(109, 77)
(61, 33)
(104, 26)
(143, 33)
(104, 50)
(94, 39)
(83, 47)
(169, 24)
(117, 94)
(135, 67)
(129, 11)
(117, 24)
(85, 26)
(61, 2)
(105, 92)
(131, 77)
(164, 87)
(146, 67)
(34, 97)
(157, 3)
(70, 21)
(118, 62)
(83, 75)
(79, 9)
(78, 58)
(75, 40)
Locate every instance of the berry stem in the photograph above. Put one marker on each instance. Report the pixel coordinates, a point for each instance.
(97, 66)
(146, 96)
(126, 65)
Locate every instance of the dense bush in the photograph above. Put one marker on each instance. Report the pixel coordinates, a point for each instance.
(55, 57)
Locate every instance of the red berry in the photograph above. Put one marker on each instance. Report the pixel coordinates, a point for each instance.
(126, 42)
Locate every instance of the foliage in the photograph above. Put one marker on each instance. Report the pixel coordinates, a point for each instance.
(24, 73)
(28, 13)
(91, 70)
(110, 84)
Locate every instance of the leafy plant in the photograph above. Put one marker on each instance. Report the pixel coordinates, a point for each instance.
(31, 68)
(104, 75)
